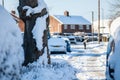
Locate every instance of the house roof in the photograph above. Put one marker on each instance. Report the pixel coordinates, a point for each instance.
(71, 19)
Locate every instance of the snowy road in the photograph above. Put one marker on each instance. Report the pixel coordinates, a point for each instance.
(90, 63)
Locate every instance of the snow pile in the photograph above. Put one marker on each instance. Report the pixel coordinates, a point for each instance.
(11, 52)
(43, 59)
(58, 70)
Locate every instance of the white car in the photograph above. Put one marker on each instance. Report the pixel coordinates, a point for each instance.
(56, 45)
(113, 52)
(72, 39)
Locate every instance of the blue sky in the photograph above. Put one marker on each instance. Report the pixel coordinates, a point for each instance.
(79, 7)
(75, 7)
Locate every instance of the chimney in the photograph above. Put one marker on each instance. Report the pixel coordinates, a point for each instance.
(66, 13)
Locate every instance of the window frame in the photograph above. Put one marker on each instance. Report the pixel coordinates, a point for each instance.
(72, 26)
(87, 27)
(80, 27)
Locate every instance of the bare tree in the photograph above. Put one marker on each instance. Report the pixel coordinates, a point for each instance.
(32, 52)
(115, 9)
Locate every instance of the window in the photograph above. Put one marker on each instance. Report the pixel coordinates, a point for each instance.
(80, 27)
(65, 26)
(72, 27)
(87, 27)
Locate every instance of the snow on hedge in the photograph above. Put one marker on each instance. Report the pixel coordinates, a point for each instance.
(58, 70)
(11, 52)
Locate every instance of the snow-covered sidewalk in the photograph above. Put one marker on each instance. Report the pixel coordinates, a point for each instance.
(90, 63)
(84, 65)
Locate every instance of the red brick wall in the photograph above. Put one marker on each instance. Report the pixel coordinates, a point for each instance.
(87, 31)
(54, 25)
(69, 30)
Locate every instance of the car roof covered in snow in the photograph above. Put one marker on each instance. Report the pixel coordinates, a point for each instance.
(56, 41)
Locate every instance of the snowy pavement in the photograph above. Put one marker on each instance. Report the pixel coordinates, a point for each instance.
(89, 67)
(80, 64)
(90, 63)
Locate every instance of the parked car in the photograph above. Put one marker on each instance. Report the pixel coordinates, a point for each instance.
(91, 38)
(79, 38)
(68, 45)
(72, 39)
(113, 52)
(96, 34)
(56, 45)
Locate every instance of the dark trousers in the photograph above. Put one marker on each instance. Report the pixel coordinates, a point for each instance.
(84, 45)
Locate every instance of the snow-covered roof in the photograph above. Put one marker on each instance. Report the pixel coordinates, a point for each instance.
(71, 19)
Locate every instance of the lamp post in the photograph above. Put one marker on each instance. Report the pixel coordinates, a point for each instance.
(92, 25)
(98, 21)
(103, 27)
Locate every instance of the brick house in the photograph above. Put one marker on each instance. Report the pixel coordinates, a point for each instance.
(69, 24)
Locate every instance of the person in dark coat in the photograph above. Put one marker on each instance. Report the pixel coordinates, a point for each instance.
(84, 43)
